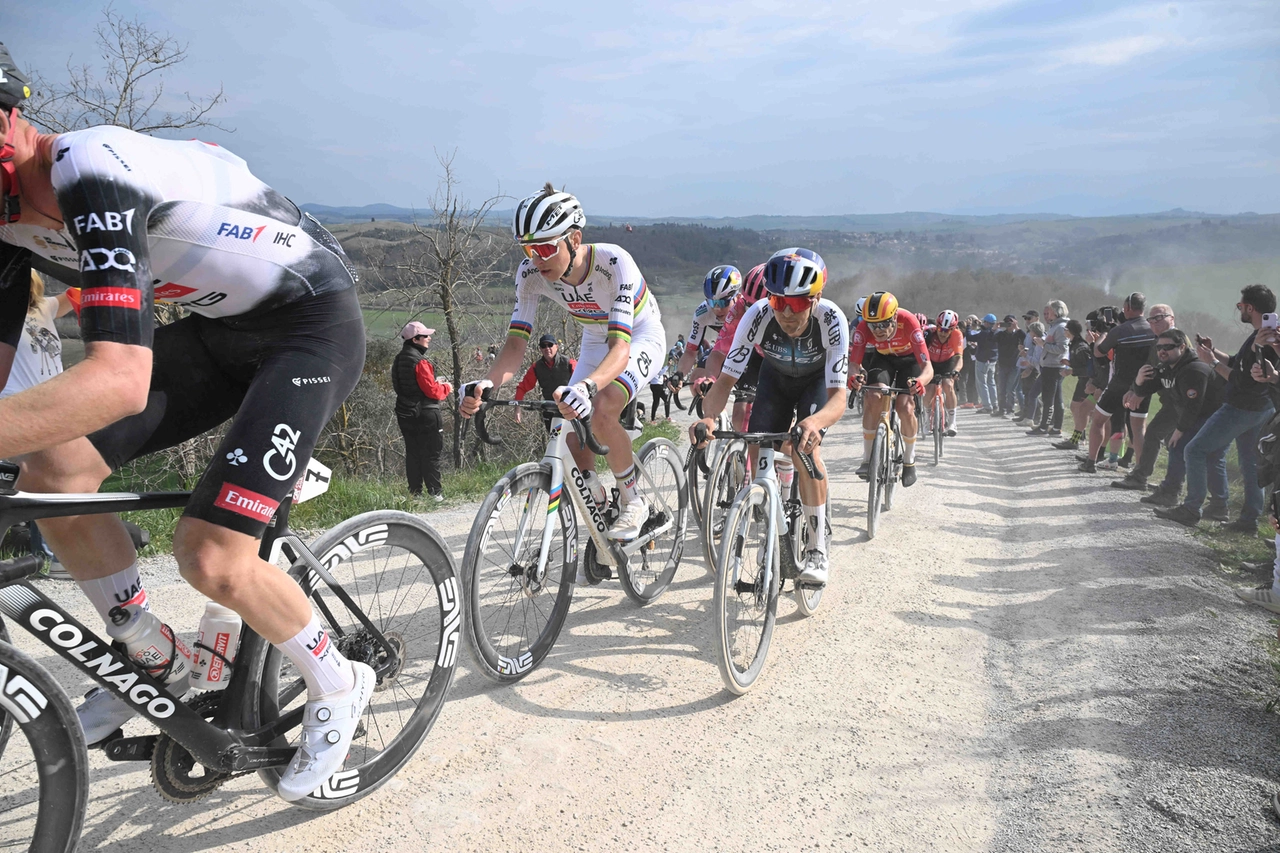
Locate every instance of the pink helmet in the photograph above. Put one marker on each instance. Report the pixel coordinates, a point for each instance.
(922, 319)
(753, 285)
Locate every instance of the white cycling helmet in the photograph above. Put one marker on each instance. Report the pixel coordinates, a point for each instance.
(546, 216)
(948, 320)
(862, 300)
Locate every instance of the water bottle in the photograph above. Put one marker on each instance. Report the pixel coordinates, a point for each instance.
(151, 644)
(219, 631)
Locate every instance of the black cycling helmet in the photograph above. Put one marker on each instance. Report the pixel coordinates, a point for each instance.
(14, 85)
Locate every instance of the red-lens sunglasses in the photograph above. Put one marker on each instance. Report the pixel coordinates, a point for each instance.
(543, 250)
(797, 304)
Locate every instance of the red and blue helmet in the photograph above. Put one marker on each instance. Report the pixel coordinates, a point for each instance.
(722, 282)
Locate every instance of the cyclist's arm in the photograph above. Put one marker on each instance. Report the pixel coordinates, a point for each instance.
(715, 362)
(106, 214)
(621, 318)
(520, 329)
(509, 359)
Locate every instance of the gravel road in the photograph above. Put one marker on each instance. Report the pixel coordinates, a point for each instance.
(1023, 660)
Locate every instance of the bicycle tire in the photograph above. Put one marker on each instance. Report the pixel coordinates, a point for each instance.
(44, 777)
(893, 453)
(939, 427)
(6, 720)
(727, 478)
(740, 588)
(875, 481)
(647, 573)
(694, 483)
(493, 592)
(376, 556)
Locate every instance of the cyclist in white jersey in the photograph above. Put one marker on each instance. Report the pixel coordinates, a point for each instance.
(274, 343)
(623, 341)
(719, 287)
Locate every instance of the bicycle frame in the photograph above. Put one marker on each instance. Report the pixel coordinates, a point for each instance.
(564, 467)
(220, 745)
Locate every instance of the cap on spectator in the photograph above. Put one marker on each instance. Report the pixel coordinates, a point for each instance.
(547, 340)
(1030, 315)
(990, 318)
(413, 329)
(1009, 318)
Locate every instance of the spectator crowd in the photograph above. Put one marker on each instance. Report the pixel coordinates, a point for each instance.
(1134, 386)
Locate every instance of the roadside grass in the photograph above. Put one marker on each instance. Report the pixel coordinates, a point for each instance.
(346, 497)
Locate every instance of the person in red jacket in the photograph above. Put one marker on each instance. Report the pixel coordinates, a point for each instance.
(548, 372)
(418, 396)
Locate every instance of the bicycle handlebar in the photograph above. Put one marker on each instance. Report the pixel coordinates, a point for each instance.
(581, 426)
(16, 570)
(764, 438)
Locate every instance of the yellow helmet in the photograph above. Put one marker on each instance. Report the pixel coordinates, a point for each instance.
(881, 306)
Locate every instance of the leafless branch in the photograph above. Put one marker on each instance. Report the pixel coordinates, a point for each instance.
(128, 90)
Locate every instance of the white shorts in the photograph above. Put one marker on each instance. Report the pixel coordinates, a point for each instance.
(648, 349)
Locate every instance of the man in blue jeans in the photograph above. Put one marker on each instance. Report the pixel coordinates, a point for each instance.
(1245, 409)
(984, 367)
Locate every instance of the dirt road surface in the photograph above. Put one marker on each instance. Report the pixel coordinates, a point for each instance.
(1022, 660)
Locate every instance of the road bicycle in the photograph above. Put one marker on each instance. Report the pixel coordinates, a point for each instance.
(521, 557)
(938, 414)
(729, 469)
(887, 454)
(765, 543)
(383, 584)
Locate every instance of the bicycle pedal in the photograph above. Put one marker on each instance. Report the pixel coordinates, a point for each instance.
(128, 748)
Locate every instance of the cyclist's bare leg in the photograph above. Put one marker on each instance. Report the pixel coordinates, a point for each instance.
(906, 406)
(89, 546)
(949, 394)
(812, 492)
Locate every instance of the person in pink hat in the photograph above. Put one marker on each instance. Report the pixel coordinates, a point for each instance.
(418, 396)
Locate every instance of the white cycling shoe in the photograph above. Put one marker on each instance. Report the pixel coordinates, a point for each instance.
(628, 523)
(816, 568)
(101, 713)
(327, 728)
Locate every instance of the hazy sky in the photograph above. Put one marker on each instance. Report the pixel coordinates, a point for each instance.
(722, 109)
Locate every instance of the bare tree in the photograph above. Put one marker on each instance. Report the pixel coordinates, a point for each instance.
(459, 258)
(126, 91)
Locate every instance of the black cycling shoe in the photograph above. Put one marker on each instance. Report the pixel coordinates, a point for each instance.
(864, 470)
(908, 474)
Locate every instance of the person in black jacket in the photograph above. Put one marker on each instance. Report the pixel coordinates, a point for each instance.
(1190, 391)
(1008, 346)
(1078, 361)
(1162, 424)
(550, 371)
(418, 396)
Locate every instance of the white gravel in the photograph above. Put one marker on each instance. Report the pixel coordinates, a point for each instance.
(1023, 660)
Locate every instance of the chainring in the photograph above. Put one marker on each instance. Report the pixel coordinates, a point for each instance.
(172, 766)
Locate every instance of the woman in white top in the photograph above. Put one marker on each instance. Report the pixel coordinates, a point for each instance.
(39, 355)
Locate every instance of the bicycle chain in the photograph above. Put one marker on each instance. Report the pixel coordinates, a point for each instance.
(171, 763)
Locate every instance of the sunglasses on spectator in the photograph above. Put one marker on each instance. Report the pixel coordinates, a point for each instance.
(542, 250)
(797, 304)
(1159, 317)
(545, 346)
(1167, 347)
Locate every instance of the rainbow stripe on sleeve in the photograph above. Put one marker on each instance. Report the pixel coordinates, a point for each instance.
(520, 329)
(622, 330)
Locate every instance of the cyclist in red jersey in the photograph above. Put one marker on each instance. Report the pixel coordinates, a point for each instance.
(888, 349)
(946, 355)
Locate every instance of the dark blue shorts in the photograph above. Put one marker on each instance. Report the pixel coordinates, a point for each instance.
(782, 399)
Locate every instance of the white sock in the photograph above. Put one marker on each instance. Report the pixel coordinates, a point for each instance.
(817, 516)
(628, 485)
(951, 418)
(323, 667)
(118, 598)
(909, 451)
(867, 439)
(1275, 569)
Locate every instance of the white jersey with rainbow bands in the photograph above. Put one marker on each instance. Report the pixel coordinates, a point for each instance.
(612, 301)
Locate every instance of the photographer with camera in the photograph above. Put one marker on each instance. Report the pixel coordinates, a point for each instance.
(1128, 344)
(1247, 406)
(1162, 424)
(1190, 392)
